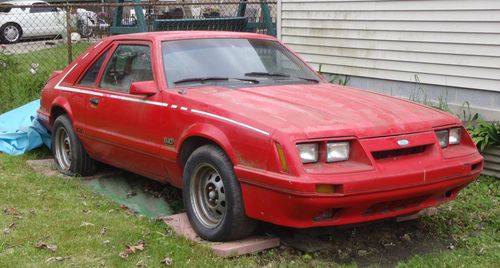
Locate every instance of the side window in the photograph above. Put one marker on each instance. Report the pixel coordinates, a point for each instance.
(129, 63)
(90, 76)
(42, 7)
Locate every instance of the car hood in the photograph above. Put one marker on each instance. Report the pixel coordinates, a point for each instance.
(320, 110)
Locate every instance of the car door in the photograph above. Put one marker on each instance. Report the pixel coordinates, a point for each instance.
(124, 128)
(44, 19)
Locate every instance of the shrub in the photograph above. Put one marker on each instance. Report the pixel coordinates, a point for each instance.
(485, 134)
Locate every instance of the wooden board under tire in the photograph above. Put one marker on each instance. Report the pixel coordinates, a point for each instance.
(181, 226)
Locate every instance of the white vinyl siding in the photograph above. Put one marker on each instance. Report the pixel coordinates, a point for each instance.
(444, 42)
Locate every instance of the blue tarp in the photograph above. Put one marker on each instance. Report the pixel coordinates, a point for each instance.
(20, 130)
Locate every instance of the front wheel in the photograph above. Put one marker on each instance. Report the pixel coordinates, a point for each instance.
(212, 196)
(10, 33)
(70, 156)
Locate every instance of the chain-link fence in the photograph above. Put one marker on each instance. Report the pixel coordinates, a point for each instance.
(31, 28)
(40, 38)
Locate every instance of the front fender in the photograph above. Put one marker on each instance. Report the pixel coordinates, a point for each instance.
(209, 132)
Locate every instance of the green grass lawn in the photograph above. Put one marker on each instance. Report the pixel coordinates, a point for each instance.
(18, 86)
(61, 211)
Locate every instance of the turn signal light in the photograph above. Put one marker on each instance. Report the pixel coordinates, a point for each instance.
(327, 188)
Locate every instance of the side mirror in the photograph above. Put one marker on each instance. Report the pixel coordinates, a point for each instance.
(146, 88)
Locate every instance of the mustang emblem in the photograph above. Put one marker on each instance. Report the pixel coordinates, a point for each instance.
(403, 142)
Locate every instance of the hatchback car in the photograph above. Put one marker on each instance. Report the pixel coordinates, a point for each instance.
(251, 133)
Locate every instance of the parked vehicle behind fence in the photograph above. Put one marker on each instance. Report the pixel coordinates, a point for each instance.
(40, 19)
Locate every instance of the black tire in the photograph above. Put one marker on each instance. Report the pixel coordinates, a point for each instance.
(233, 224)
(9, 29)
(84, 29)
(70, 156)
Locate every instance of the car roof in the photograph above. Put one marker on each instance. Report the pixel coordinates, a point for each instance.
(180, 35)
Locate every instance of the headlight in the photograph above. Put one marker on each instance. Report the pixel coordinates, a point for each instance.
(308, 152)
(337, 151)
(443, 138)
(455, 134)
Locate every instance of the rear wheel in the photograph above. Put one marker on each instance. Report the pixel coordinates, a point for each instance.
(212, 196)
(10, 33)
(70, 156)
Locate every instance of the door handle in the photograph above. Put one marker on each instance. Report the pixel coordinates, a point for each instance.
(94, 101)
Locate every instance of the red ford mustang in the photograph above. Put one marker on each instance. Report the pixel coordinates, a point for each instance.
(250, 132)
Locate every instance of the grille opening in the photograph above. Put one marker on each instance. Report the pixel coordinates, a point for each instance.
(327, 214)
(476, 166)
(395, 205)
(398, 152)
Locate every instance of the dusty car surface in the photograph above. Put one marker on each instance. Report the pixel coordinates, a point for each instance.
(251, 133)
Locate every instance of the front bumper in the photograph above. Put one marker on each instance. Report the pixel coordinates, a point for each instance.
(290, 202)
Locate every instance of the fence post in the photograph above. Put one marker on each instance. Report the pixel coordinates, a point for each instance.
(268, 21)
(68, 34)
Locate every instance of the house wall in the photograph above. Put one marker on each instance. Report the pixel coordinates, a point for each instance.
(448, 46)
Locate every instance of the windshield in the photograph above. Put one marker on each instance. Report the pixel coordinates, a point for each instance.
(249, 61)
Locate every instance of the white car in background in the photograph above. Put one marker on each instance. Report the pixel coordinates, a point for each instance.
(40, 19)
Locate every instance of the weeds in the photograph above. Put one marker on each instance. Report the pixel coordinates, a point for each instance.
(338, 79)
(464, 113)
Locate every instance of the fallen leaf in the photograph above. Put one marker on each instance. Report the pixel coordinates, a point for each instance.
(167, 261)
(10, 211)
(104, 230)
(406, 237)
(140, 264)
(105, 242)
(132, 249)
(12, 225)
(6, 231)
(86, 224)
(53, 259)
(43, 245)
(131, 193)
(362, 252)
(13, 211)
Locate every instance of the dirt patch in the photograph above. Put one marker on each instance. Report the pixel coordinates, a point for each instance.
(381, 244)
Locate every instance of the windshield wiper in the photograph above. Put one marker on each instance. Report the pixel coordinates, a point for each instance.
(213, 78)
(267, 74)
(280, 75)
